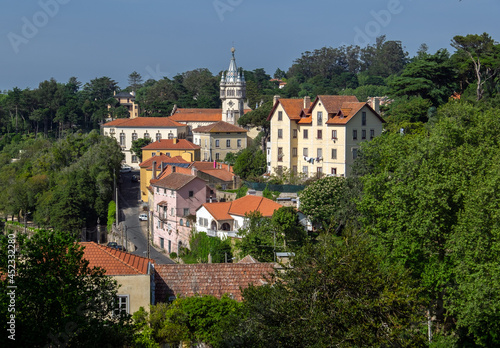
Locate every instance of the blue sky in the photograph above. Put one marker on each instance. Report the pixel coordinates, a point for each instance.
(40, 39)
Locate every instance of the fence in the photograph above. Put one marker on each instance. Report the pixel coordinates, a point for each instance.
(261, 186)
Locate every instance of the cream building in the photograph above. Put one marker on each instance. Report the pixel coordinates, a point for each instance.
(219, 139)
(321, 137)
(126, 130)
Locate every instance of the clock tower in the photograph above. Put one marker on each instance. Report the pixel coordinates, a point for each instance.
(232, 92)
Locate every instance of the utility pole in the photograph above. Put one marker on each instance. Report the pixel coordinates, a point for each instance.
(148, 230)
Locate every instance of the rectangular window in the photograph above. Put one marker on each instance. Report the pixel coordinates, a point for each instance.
(172, 212)
(169, 246)
(294, 169)
(363, 118)
(134, 159)
(372, 133)
(304, 169)
(319, 172)
(186, 211)
(162, 242)
(305, 151)
(280, 115)
(205, 156)
(280, 133)
(354, 134)
(334, 134)
(280, 170)
(334, 171)
(294, 132)
(205, 142)
(158, 136)
(238, 142)
(294, 152)
(122, 305)
(320, 134)
(320, 118)
(363, 134)
(122, 139)
(354, 153)
(319, 152)
(334, 153)
(217, 156)
(191, 193)
(280, 154)
(134, 136)
(217, 142)
(228, 143)
(146, 135)
(306, 134)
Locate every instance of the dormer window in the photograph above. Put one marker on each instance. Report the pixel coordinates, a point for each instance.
(320, 118)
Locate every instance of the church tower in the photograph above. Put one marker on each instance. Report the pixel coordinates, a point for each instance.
(232, 93)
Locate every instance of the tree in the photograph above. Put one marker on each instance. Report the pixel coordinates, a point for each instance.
(484, 54)
(201, 245)
(320, 201)
(135, 81)
(137, 146)
(251, 162)
(334, 293)
(60, 300)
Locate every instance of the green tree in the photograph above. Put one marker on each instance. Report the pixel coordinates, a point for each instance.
(60, 300)
(201, 245)
(135, 81)
(251, 162)
(335, 293)
(137, 146)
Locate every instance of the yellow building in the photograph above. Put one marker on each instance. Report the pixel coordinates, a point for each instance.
(219, 139)
(172, 148)
(321, 137)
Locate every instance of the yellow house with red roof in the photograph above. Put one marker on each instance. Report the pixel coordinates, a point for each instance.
(223, 219)
(320, 137)
(172, 147)
(134, 275)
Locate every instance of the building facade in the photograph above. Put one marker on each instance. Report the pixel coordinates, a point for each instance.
(219, 139)
(155, 128)
(172, 148)
(322, 137)
(175, 198)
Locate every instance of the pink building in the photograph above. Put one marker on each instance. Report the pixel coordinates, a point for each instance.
(175, 200)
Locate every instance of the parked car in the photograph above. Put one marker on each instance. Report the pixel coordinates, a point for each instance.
(143, 217)
(125, 168)
(121, 247)
(134, 178)
(112, 245)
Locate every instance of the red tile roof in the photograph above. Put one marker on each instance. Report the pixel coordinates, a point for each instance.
(242, 206)
(174, 181)
(114, 261)
(202, 165)
(220, 127)
(221, 174)
(346, 113)
(197, 115)
(292, 108)
(163, 122)
(171, 144)
(214, 279)
(333, 103)
(161, 158)
(248, 259)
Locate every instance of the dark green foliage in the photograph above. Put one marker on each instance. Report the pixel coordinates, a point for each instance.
(335, 293)
(251, 162)
(137, 146)
(242, 192)
(59, 299)
(201, 245)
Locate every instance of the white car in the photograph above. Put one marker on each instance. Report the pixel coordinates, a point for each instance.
(143, 217)
(125, 169)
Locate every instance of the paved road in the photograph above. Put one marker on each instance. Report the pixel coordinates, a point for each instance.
(130, 207)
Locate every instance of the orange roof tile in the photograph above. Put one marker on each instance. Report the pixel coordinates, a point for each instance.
(202, 165)
(214, 279)
(197, 115)
(292, 108)
(163, 122)
(174, 181)
(161, 159)
(221, 174)
(171, 144)
(221, 127)
(219, 210)
(333, 103)
(114, 261)
(251, 203)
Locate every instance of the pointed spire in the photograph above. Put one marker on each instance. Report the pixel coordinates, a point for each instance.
(232, 72)
(223, 79)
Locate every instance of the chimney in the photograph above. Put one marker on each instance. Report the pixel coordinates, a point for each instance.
(307, 102)
(210, 199)
(154, 169)
(175, 140)
(173, 169)
(275, 99)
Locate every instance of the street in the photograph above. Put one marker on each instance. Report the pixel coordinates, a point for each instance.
(130, 208)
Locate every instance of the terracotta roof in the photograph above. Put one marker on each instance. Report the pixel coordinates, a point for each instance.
(292, 108)
(248, 259)
(219, 127)
(333, 103)
(214, 279)
(250, 203)
(114, 261)
(197, 115)
(169, 170)
(345, 114)
(203, 165)
(219, 210)
(242, 206)
(174, 181)
(162, 122)
(222, 174)
(171, 144)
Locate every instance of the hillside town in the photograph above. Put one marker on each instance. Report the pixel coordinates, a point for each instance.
(348, 201)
